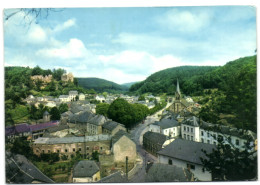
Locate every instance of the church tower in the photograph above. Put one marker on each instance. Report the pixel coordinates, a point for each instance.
(178, 92)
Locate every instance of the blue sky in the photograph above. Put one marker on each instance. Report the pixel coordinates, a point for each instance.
(129, 44)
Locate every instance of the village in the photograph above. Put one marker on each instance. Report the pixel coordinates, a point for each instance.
(166, 146)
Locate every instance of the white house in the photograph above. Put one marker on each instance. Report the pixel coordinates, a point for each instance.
(81, 97)
(100, 98)
(72, 95)
(86, 171)
(168, 126)
(190, 129)
(64, 98)
(187, 154)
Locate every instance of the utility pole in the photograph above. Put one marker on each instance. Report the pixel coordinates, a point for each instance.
(126, 168)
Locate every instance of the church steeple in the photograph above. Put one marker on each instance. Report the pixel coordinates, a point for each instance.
(178, 92)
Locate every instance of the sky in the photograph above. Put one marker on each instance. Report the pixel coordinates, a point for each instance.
(129, 44)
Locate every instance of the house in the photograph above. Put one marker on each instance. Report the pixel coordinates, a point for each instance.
(70, 145)
(167, 126)
(190, 129)
(100, 98)
(59, 131)
(111, 127)
(51, 104)
(168, 173)
(150, 105)
(20, 130)
(179, 103)
(187, 154)
(94, 125)
(64, 98)
(86, 171)
(20, 170)
(73, 95)
(81, 97)
(39, 129)
(154, 142)
(122, 147)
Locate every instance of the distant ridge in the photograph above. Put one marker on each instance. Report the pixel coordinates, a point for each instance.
(100, 85)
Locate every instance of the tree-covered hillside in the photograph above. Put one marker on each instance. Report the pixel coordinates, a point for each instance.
(100, 85)
(164, 81)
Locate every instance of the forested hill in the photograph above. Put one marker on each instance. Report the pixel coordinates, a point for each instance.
(164, 81)
(100, 85)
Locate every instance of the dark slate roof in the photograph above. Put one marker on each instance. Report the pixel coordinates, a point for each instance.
(97, 120)
(117, 177)
(155, 138)
(75, 107)
(58, 128)
(168, 123)
(192, 121)
(82, 117)
(43, 126)
(85, 169)
(186, 150)
(20, 170)
(111, 125)
(168, 173)
(118, 135)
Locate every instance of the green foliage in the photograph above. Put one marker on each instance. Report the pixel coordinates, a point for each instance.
(165, 80)
(121, 111)
(51, 157)
(63, 108)
(22, 146)
(102, 108)
(57, 73)
(95, 155)
(140, 112)
(100, 85)
(141, 98)
(55, 113)
(231, 164)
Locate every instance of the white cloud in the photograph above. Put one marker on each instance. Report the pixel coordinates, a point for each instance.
(75, 48)
(184, 20)
(36, 34)
(69, 23)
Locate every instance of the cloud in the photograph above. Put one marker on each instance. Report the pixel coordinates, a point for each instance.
(75, 48)
(69, 23)
(184, 20)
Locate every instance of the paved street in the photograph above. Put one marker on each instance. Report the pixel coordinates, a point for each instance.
(137, 135)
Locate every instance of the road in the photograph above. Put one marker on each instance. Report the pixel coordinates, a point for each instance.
(137, 135)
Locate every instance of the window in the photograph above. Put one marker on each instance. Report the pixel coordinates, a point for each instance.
(215, 136)
(191, 138)
(170, 162)
(58, 151)
(42, 151)
(208, 141)
(191, 130)
(80, 149)
(208, 134)
(215, 143)
(101, 148)
(202, 140)
(202, 133)
(191, 166)
(188, 137)
(188, 129)
(73, 149)
(237, 142)
(184, 136)
(87, 148)
(49, 151)
(66, 150)
(184, 128)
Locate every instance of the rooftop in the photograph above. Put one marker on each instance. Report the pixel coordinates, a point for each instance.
(85, 169)
(155, 137)
(186, 150)
(111, 125)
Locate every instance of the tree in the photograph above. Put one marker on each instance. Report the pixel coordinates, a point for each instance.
(55, 113)
(121, 111)
(227, 162)
(22, 146)
(57, 73)
(63, 108)
(141, 98)
(102, 108)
